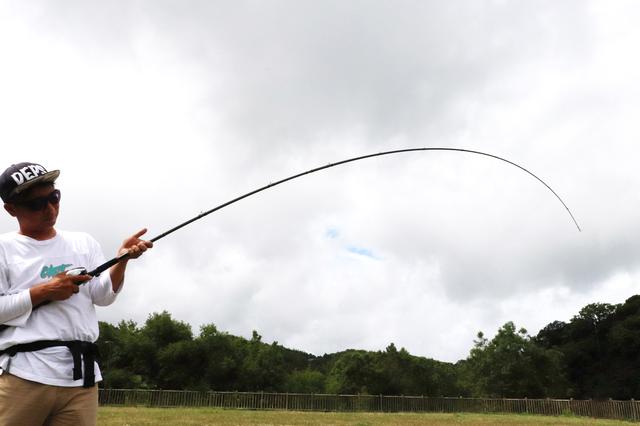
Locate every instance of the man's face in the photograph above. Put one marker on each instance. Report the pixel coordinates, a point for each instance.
(40, 219)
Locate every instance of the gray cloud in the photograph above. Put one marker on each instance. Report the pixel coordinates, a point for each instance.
(156, 111)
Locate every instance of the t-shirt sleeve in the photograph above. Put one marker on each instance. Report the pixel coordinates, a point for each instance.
(15, 308)
(101, 289)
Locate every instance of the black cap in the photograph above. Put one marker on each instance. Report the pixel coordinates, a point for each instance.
(22, 176)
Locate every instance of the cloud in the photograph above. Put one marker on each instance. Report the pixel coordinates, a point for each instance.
(156, 111)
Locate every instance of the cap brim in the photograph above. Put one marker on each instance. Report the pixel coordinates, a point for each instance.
(49, 177)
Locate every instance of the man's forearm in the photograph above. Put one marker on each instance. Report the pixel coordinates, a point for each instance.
(116, 272)
(39, 294)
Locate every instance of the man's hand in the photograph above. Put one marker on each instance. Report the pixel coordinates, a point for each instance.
(134, 246)
(60, 287)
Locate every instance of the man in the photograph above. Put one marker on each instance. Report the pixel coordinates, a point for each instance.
(47, 351)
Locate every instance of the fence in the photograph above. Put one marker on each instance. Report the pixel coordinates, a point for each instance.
(607, 409)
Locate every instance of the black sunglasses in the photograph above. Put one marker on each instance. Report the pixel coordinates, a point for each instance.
(40, 203)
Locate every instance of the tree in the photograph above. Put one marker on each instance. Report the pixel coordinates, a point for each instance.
(352, 373)
(160, 331)
(262, 367)
(163, 330)
(600, 346)
(512, 365)
(552, 335)
(224, 355)
(127, 356)
(305, 381)
(181, 365)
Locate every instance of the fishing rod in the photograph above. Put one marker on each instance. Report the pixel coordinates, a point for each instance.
(97, 271)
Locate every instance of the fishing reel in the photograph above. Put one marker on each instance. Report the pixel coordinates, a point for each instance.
(80, 270)
(77, 271)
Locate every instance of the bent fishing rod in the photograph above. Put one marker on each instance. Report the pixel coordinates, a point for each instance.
(97, 271)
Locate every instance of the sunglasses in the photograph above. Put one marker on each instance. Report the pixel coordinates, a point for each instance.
(40, 203)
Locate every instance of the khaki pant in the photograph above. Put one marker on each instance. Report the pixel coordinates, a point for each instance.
(27, 403)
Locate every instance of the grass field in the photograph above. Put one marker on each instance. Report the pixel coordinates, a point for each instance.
(112, 416)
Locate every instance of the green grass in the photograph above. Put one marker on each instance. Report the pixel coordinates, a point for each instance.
(111, 416)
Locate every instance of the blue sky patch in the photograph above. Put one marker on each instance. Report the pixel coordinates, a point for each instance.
(332, 233)
(361, 251)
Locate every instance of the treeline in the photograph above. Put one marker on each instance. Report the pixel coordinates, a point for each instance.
(600, 348)
(595, 355)
(164, 354)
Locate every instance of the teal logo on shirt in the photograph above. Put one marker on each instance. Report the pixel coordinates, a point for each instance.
(51, 271)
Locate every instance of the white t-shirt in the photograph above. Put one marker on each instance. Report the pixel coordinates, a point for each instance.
(25, 262)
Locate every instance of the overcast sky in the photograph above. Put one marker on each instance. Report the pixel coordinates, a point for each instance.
(158, 110)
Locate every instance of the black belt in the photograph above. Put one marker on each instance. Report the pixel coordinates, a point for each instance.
(80, 351)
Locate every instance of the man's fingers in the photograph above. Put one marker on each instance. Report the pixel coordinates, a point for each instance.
(74, 278)
(82, 278)
(134, 246)
(136, 250)
(139, 233)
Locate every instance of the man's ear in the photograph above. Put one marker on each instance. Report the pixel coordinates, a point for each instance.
(10, 208)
